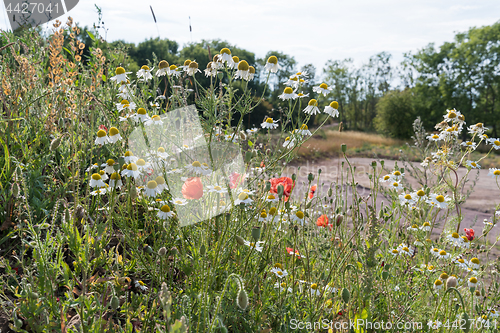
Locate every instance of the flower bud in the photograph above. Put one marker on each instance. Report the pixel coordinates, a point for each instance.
(55, 144)
(19, 172)
(385, 275)
(451, 282)
(242, 299)
(203, 249)
(133, 192)
(115, 302)
(343, 147)
(268, 186)
(147, 249)
(294, 177)
(162, 251)
(248, 156)
(310, 177)
(174, 251)
(339, 219)
(243, 136)
(346, 295)
(14, 189)
(330, 192)
(256, 233)
(281, 189)
(239, 240)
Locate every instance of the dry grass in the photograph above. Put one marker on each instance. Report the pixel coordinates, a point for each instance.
(356, 142)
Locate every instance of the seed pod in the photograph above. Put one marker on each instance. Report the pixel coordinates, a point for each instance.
(268, 186)
(242, 299)
(256, 289)
(239, 240)
(451, 282)
(15, 190)
(19, 172)
(343, 147)
(162, 251)
(346, 295)
(256, 233)
(55, 144)
(148, 249)
(310, 177)
(203, 249)
(248, 156)
(330, 192)
(294, 177)
(115, 302)
(174, 251)
(385, 275)
(281, 189)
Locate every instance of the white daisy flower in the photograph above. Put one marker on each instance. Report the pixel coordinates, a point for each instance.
(263, 216)
(314, 290)
(386, 178)
(301, 95)
(234, 63)
(179, 201)
(154, 120)
(139, 284)
(165, 212)
(413, 228)
(198, 168)
(298, 216)
(144, 74)
(272, 64)
(477, 129)
(100, 191)
(474, 263)
(163, 68)
(472, 282)
(407, 199)
(141, 115)
(443, 255)
(438, 200)
(322, 89)
(257, 245)
(472, 164)
(243, 198)
(174, 71)
(142, 165)
(95, 166)
(332, 109)
(102, 138)
(455, 239)
(465, 244)
(271, 198)
(280, 273)
(282, 286)
(115, 180)
(418, 243)
(461, 263)
(493, 313)
(303, 130)
(452, 115)
(125, 105)
(436, 324)
(225, 55)
(120, 75)
(103, 174)
(312, 107)
(217, 189)
(435, 252)
(470, 145)
(162, 185)
(494, 142)
(192, 69)
(288, 93)
(114, 135)
(243, 71)
(397, 175)
(494, 172)
(409, 251)
(293, 81)
(426, 226)
(96, 180)
(433, 137)
(396, 186)
(151, 189)
(129, 157)
(270, 123)
(252, 130)
(289, 143)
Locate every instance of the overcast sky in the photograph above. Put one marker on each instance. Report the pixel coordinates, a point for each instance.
(312, 31)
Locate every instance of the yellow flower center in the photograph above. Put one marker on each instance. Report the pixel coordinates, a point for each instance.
(395, 184)
(461, 261)
(236, 59)
(141, 162)
(115, 176)
(217, 188)
(397, 173)
(407, 197)
(387, 177)
(452, 115)
(243, 196)
(334, 104)
(141, 111)
(193, 64)
(427, 224)
(160, 180)
(113, 131)
(243, 65)
(473, 164)
(414, 226)
(435, 136)
(144, 67)
(442, 253)
(187, 62)
(101, 133)
(475, 261)
(438, 282)
(156, 117)
(313, 102)
(163, 64)
(440, 198)
(226, 51)
(128, 153)
(278, 265)
(395, 251)
(196, 164)
(420, 193)
(406, 249)
(314, 286)
(173, 67)
(161, 150)
(272, 60)
(299, 214)
(271, 197)
(132, 167)
(269, 120)
(283, 284)
(288, 90)
(272, 211)
(102, 172)
(323, 86)
(461, 117)
(119, 70)
(279, 272)
(152, 184)
(430, 267)
(473, 280)
(304, 127)
(263, 215)
(496, 172)
(96, 176)
(251, 70)
(455, 235)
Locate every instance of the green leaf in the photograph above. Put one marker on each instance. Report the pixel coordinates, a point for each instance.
(104, 77)
(250, 143)
(91, 35)
(65, 49)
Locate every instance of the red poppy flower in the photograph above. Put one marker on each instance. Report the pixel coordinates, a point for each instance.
(469, 233)
(235, 179)
(262, 165)
(102, 127)
(322, 221)
(192, 188)
(291, 251)
(287, 184)
(313, 190)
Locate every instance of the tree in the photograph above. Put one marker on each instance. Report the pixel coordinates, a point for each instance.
(395, 114)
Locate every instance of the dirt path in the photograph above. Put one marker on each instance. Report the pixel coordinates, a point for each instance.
(479, 206)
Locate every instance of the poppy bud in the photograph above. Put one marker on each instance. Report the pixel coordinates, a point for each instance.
(55, 144)
(451, 282)
(294, 177)
(203, 249)
(346, 295)
(242, 299)
(330, 192)
(248, 156)
(385, 275)
(239, 240)
(343, 147)
(256, 233)
(162, 251)
(148, 249)
(280, 189)
(339, 219)
(115, 302)
(19, 172)
(15, 190)
(174, 251)
(268, 186)
(465, 319)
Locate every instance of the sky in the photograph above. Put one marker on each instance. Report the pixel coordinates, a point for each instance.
(312, 31)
